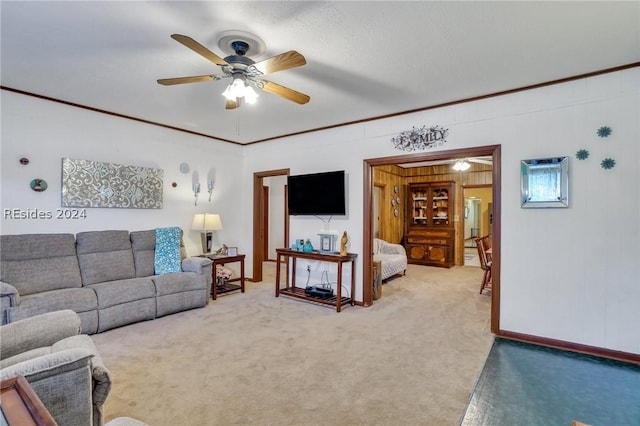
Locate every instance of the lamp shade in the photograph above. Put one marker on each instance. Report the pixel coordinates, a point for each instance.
(206, 222)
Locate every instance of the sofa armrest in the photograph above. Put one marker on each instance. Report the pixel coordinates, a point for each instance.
(10, 292)
(9, 297)
(391, 248)
(38, 331)
(49, 365)
(100, 374)
(195, 264)
(201, 266)
(62, 380)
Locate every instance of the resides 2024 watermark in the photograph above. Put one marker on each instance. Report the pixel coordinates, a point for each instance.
(41, 214)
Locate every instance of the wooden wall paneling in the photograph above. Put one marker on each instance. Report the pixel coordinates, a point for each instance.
(478, 174)
(391, 226)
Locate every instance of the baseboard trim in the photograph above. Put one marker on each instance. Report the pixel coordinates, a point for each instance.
(573, 347)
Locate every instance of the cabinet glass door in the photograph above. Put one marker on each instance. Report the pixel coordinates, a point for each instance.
(440, 206)
(419, 206)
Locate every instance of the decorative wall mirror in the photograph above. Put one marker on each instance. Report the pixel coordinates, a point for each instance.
(544, 182)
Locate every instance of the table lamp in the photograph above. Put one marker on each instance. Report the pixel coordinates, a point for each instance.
(206, 223)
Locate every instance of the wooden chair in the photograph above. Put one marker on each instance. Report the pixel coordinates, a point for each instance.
(483, 243)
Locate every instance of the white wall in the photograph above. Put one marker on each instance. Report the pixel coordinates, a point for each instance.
(44, 132)
(276, 186)
(569, 274)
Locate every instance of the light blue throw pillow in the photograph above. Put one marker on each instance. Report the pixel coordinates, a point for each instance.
(167, 257)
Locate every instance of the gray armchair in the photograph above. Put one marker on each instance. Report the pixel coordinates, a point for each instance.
(61, 365)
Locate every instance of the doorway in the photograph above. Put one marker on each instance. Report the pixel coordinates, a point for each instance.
(472, 212)
(260, 225)
(368, 218)
(477, 217)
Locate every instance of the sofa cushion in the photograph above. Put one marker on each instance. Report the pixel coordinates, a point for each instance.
(167, 258)
(34, 263)
(104, 256)
(75, 299)
(122, 291)
(179, 282)
(143, 244)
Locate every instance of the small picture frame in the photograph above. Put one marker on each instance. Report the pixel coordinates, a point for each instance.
(327, 242)
(232, 251)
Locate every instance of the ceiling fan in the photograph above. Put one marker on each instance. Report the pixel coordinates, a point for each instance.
(244, 72)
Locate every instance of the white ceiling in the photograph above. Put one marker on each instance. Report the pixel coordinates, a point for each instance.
(364, 59)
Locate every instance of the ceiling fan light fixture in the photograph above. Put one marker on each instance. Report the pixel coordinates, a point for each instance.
(238, 87)
(250, 95)
(227, 94)
(461, 165)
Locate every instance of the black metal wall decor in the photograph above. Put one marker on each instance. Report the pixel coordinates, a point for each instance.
(422, 138)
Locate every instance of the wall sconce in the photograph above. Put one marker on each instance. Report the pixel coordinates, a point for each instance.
(210, 188)
(205, 223)
(196, 191)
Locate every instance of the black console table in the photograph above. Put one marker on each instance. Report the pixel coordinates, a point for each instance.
(291, 290)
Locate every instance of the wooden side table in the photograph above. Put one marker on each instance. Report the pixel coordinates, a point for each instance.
(290, 288)
(21, 405)
(229, 286)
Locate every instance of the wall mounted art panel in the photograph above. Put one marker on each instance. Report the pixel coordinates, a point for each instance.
(87, 183)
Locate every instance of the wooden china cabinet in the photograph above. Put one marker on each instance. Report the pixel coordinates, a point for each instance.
(429, 237)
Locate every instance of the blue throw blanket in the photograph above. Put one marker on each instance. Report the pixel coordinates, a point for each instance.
(167, 257)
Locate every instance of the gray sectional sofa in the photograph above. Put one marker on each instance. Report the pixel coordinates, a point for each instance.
(106, 277)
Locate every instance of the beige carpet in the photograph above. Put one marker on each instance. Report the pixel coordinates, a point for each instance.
(253, 359)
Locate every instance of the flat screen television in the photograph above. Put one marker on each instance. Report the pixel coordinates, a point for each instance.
(317, 194)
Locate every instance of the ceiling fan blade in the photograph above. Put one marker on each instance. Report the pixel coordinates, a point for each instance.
(199, 49)
(284, 92)
(231, 105)
(182, 80)
(284, 61)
